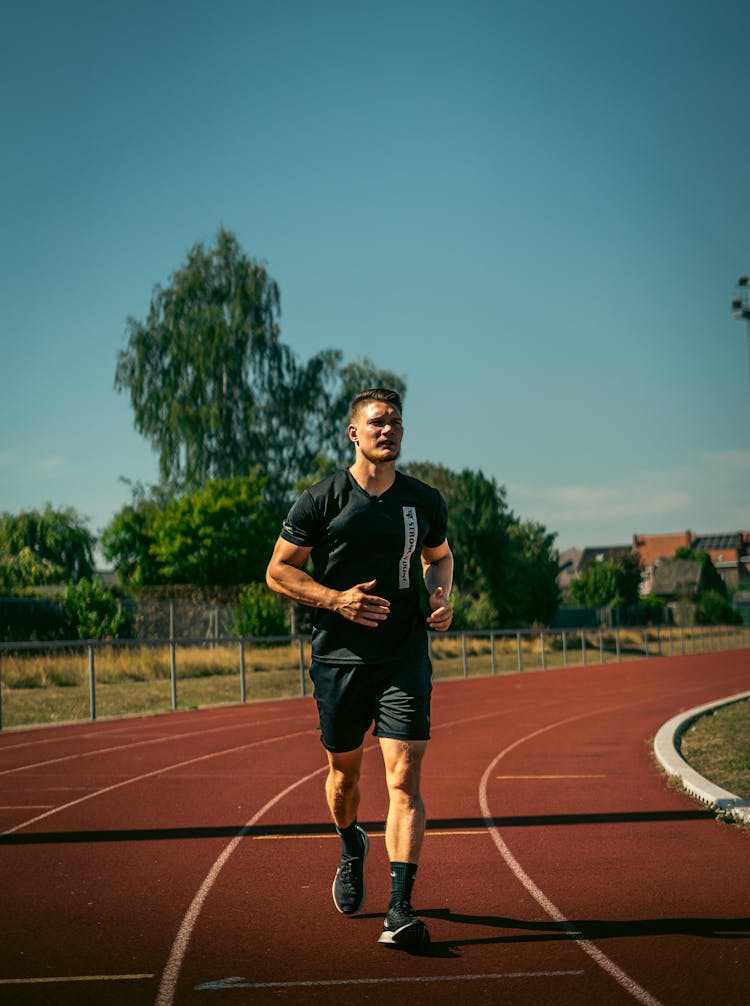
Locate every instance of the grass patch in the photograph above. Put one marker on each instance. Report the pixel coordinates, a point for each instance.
(51, 685)
(718, 747)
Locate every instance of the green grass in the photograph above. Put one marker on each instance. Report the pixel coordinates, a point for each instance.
(718, 747)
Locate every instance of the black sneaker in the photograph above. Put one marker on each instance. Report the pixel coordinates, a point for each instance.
(349, 884)
(402, 929)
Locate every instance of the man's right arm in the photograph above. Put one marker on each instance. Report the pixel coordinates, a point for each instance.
(286, 576)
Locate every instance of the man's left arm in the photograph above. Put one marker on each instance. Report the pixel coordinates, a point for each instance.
(437, 565)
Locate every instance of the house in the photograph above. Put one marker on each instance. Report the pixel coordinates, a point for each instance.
(651, 548)
(730, 554)
(594, 554)
(568, 563)
(674, 579)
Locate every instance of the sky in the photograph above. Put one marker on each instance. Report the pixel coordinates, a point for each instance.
(534, 212)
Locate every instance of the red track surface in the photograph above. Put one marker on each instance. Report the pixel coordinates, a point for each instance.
(188, 858)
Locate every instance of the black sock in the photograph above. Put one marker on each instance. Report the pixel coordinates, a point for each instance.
(351, 839)
(402, 881)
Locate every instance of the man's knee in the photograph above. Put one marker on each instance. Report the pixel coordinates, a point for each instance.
(403, 762)
(344, 769)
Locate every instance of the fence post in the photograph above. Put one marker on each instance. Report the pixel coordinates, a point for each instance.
(518, 650)
(583, 647)
(645, 642)
(173, 671)
(243, 683)
(617, 642)
(92, 682)
(565, 648)
(302, 682)
(492, 656)
(543, 654)
(601, 646)
(463, 655)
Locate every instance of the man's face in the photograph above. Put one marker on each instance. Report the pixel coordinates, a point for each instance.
(378, 429)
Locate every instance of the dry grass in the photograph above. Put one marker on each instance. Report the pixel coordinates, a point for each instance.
(52, 685)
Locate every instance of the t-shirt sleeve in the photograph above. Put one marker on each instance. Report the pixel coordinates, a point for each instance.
(438, 523)
(302, 524)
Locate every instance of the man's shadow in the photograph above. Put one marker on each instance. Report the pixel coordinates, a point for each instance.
(574, 929)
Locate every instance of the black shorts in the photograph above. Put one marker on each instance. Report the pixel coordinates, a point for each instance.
(350, 697)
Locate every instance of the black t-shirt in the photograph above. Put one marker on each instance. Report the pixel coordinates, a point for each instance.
(356, 537)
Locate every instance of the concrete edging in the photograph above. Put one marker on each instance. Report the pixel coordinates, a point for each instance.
(667, 751)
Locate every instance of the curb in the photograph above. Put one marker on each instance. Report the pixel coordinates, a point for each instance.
(667, 751)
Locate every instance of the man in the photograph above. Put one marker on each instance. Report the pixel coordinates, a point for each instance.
(372, 533)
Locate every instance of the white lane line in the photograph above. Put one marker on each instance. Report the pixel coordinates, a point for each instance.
(241, 983)
(172, 968)
(167, 738)
(600, 958)
(26, 806)
(64, 979)
(155, 772)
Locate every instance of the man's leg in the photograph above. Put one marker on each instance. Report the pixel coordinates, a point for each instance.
(342, 794)
(404, 832)
(404, 828)
(342, 785)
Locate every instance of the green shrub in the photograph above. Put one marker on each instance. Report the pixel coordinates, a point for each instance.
(261, 612)
(93, 612)
(714, 609)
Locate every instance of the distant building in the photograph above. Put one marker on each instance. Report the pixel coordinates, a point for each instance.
(594, 554)
(568, 563)
(730, 554)
(674, 579)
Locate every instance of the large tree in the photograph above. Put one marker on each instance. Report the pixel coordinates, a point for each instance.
(212, 386)
(505, 570)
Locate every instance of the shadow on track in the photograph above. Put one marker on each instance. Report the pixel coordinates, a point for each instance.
(575, 929)
(326, 829)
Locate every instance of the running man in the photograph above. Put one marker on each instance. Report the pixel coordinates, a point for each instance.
(372, 533)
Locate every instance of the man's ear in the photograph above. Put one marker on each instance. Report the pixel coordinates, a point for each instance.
(352, 431)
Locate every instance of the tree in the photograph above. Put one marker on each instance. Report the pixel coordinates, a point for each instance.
(714, 609)
(538, 595)
(220, 534)
(214, 389)
(37, 548)
(608, 584)
(505, 570)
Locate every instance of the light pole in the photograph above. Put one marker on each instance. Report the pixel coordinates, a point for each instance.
(741, 304)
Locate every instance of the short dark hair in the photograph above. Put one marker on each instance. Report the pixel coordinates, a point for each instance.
(375, 395)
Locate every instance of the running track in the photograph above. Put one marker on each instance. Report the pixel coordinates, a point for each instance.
(187, 858)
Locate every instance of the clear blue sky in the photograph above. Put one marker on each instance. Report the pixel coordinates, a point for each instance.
(535, 212)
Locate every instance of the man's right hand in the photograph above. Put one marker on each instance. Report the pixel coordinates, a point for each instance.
(358, 605)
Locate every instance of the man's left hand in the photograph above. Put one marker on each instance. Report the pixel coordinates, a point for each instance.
(442, 612)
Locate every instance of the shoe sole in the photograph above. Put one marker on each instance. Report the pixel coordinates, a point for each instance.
(416, 934)
(353, 911)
